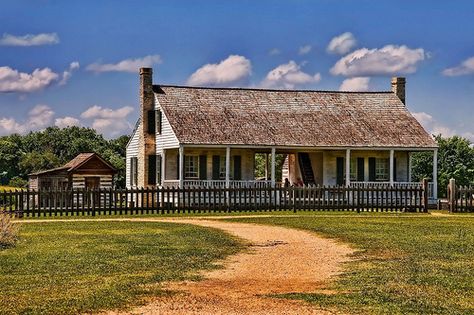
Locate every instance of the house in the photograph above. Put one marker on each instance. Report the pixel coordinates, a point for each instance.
(85, 171)
(200, 136)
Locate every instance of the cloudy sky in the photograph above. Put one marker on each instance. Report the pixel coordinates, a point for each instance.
(75, 62)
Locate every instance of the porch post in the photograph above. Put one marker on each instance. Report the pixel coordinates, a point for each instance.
(266, 166)
(392, 153)
(273, 167)
(348, 167)
(227, 167)
(181, 166)
(435, 174)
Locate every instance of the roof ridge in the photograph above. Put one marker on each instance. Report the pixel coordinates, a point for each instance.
(157, 89)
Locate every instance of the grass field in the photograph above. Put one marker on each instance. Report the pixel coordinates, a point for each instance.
(78, 267)
(405, 265)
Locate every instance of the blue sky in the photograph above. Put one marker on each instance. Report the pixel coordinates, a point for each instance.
(73, 62)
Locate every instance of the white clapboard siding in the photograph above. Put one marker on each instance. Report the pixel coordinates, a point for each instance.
(167, 139)
(132, 151)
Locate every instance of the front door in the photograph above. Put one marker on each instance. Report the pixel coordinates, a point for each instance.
(92, 183)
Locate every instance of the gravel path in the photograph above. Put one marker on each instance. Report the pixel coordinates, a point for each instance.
(279, 260)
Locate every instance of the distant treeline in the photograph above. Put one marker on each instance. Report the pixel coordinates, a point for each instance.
(21, 155)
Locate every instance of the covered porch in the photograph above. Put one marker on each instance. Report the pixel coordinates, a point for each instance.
(234, 167)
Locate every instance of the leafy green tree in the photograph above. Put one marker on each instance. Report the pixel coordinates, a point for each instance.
(36, 161)
(9, 156)
(260, 165)
(455, 160)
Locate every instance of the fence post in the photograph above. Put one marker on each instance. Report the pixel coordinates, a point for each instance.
(425, 195)
(452, 195)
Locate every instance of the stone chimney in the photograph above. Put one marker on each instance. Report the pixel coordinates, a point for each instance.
(398, 87)
(147, 139)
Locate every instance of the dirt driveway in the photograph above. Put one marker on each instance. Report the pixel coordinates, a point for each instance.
(279, 260)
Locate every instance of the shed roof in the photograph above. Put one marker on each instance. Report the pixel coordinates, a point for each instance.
(290, 118)
(76, 163)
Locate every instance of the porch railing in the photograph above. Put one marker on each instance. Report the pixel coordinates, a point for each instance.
(219, 183)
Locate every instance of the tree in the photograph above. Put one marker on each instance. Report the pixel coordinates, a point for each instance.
(36, 161)
(455, 160)
(9, 157)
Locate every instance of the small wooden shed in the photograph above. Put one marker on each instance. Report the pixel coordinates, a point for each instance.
(85, 171)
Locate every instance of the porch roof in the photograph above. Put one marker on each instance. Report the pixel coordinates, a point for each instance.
(236, 116)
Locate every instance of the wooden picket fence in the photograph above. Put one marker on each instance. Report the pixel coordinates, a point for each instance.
(460, 198)
(194, 199)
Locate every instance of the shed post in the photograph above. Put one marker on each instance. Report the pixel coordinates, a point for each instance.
(452, 195)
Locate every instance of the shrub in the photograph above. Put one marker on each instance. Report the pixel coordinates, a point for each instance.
(18, 182)
(8, 231)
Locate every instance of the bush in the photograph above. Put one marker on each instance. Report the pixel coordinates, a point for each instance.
(8, 231)
(18, 182)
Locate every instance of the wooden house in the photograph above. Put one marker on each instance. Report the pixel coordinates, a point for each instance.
(85, 171)
(200, 136)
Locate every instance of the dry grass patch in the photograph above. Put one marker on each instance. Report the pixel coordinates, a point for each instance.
(8, 231)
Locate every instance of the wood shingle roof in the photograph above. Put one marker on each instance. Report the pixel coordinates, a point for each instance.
(234, 116)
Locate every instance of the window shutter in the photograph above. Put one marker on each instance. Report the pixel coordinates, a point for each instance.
(158, 121)
(132, 174)
(237, 167)
(151, 122)
(216, 166)
(202, 167)
(394, 169)
(372, 169)
(158, 169)
(152, 169)
(340, 171)
(360, 169)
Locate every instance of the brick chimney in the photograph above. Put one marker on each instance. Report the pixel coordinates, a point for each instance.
(147, 139)
(398, 87)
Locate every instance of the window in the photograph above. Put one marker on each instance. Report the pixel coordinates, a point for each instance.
(191, 167)
(353, 169)
(222, 167)
(382, 169)
(133, 171)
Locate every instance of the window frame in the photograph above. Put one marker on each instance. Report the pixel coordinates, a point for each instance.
(188, 166)
(382, 169)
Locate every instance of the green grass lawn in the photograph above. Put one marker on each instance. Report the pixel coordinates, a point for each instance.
(405, 265)
(77, 267)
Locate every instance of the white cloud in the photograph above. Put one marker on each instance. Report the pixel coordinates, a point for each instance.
(40, 117)
(127, 65)
(67, 121)
(14, 81)
(274, 52)
(107, 113)
(68, 73)
(355, 84)
(341, 44)
(304, 50)
(29, 39)
(434, 127)
(288, 76)
(388, 60)
(110, 122)
(466, 67)
(232, 70)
